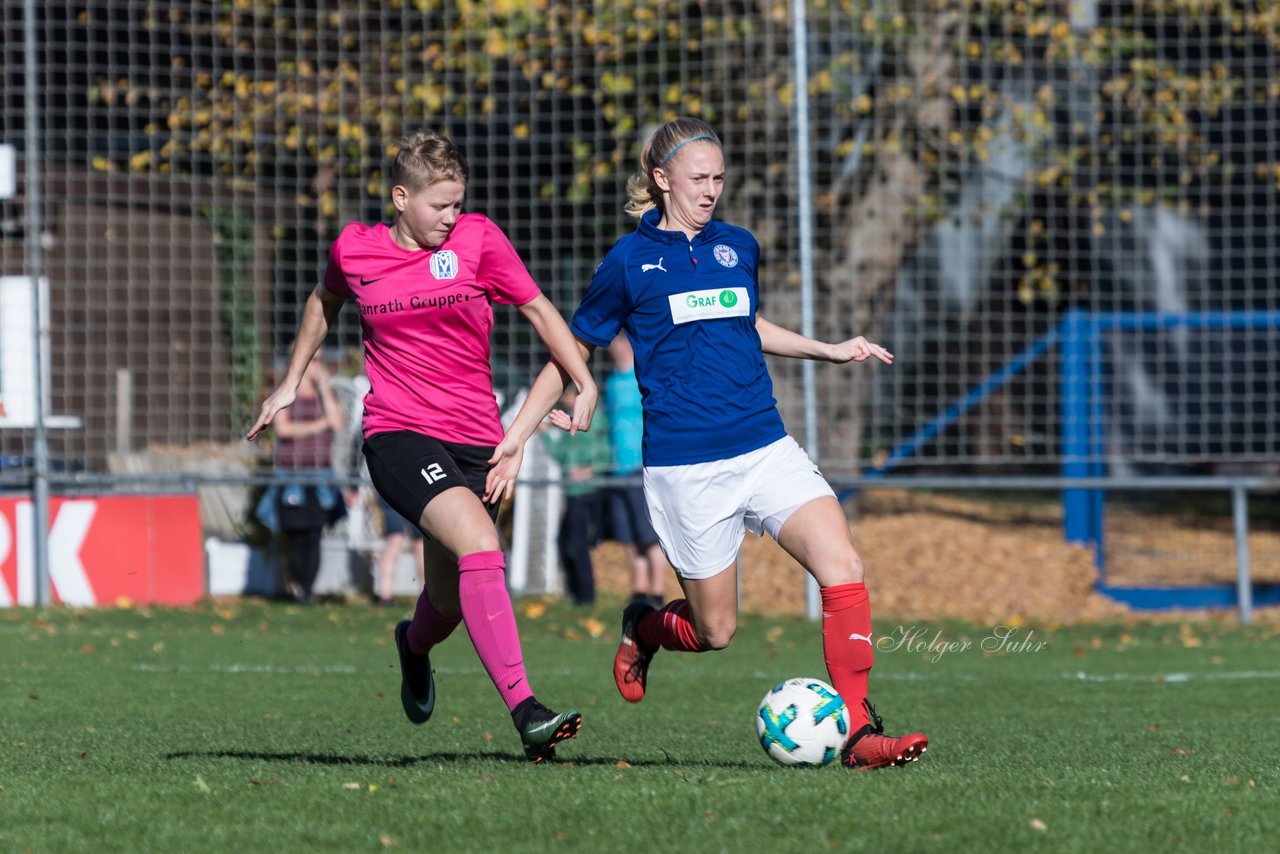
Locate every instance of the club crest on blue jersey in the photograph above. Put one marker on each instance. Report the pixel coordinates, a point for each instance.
(444, 264)
(725, 255)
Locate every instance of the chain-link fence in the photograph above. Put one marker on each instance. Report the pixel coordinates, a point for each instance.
(1061, 216)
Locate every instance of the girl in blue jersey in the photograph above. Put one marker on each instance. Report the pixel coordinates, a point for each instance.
(717, 458)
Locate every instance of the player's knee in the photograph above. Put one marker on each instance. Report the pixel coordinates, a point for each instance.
(856, 571)
(718, 634)
(847, 570)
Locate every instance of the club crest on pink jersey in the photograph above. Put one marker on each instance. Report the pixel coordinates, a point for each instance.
(444, 264)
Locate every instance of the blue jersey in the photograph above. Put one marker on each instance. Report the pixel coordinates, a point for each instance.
(689, 308)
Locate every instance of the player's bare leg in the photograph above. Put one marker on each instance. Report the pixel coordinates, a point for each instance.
(476, 589)
(817, 535)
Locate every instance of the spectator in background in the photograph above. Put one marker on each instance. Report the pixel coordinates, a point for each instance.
(627, 513)
(581, 457)
(397, 534)
(305, 507)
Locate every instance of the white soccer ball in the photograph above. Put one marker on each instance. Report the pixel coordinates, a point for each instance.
(802, 722)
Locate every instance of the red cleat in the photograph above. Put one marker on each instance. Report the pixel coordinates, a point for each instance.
(870, 748)
(631, 662)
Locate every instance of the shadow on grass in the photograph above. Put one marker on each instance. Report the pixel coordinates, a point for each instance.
(410, 761)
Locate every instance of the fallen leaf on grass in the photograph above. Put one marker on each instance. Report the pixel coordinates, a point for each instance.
(622, 763)
(202, 785)
(1037, 824)
(351, 786)
(387, 841)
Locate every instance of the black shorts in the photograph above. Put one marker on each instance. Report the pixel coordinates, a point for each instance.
(409, 469)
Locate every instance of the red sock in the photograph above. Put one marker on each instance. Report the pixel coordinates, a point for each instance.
(669, 628)
(847, 645)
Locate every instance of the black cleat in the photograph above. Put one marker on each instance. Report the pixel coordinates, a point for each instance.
(543, 729)
(417, 684)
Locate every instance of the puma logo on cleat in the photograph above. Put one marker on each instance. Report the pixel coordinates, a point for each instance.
(856, 636)
(644, 268)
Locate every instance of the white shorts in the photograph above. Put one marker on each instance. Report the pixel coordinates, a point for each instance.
(701, 511)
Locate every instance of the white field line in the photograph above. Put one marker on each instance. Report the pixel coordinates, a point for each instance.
(1083, 676)
(1171, 678)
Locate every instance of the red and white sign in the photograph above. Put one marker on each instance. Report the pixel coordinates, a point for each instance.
(105, 549)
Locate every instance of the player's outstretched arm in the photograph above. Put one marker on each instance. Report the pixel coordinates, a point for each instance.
(569, 354)
(569, 364)
(777, 341)
(317, 316)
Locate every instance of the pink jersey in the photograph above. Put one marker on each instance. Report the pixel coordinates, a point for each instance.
(426, 317)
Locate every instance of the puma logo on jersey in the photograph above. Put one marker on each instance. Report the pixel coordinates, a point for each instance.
(644, 268)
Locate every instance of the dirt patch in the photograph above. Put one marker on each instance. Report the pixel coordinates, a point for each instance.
(935, 557)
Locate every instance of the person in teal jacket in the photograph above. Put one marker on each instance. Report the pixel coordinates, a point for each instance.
(581, 456)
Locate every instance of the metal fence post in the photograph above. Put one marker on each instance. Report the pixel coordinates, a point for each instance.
(1244, 584)
(35, 269)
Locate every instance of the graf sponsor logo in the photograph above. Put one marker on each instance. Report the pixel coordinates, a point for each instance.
(709, 305)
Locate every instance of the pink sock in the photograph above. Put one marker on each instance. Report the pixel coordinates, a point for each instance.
(670, 628)
(429, 626)
(491, 622)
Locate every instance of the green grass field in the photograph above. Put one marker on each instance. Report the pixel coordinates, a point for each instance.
(257, 726)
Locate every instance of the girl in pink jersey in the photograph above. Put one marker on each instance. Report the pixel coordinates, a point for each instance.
(424, 287)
